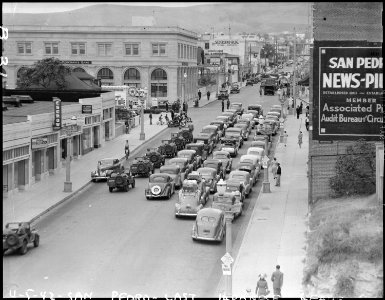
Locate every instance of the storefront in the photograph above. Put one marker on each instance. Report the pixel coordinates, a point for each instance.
(15, 169)
(73, 132)
(44, 156)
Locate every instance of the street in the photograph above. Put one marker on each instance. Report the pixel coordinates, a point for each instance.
(102, 242)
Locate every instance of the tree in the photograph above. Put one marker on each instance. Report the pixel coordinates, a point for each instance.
(44, 74)
(267, 51)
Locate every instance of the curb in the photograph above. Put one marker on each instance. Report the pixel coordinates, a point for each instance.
(85, 186)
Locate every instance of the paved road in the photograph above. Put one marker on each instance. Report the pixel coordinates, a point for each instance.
(103, 242)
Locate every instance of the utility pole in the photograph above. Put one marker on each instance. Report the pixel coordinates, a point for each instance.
(294, 73)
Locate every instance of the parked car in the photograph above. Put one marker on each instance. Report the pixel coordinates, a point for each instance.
(223, 94)
(227, 161)
(227, 202)
(237, 188)
(155, 157)
(212, 129)
(191, 199)
(272, 124)
(174, 172)
(221, 127)
(273, 113)
(230, 145)
(235, 88)
(105, 167)
(248, 117)
(142, 166)
(192, 157)
(211, 177)
(168, 148)
(225, 119)
(245, 130)
(232, 117)
(259, 138)
(257, 152)
(236, 133)
(238, 107)
(257, 107)
(250, 164)
(245, 177)
(185, 167)
(160, 186)
(121, 180)
(208, 139)
(178, 140)
(187, 134)
(249, 82)
(217, 165)
(202, 184)
(259, 144)
(17, 236)
(209, 225)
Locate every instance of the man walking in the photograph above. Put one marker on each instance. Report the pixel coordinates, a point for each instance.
(228, 103)
(277, 279)
(167, 106)
(208, 95)
(150, 116)
(172, 114)
(127, 149)
(300, 135)
(199, 95)
(223, 105)
(298, 111)
(278, 175)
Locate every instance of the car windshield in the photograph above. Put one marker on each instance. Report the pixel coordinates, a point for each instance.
(232, 187)
(207, 175)
(207, 219)
(239, 177)
(236, 106)
(160, 179)
(199, 142)
(220, 156)
(13, 225)
(107, 162)
(170, 171)
(189, 189)
(231, 135)
(257, 153)
(208, 130)
(247, 161)
(186, 155)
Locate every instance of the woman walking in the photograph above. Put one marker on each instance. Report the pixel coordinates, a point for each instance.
(262, 288)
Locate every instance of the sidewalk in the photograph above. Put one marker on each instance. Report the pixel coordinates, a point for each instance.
(276, 230)
(43, 196)
(203, 102)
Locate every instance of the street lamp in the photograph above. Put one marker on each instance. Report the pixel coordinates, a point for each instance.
(69, 129)
(266, 182)
(142, 95)
(183, 93)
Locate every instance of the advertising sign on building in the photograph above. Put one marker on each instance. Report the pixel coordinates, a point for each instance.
(39, 143)
(57, 114)
(87, 109)
(348, 88)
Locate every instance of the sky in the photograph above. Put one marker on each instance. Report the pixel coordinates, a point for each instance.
(48, 7)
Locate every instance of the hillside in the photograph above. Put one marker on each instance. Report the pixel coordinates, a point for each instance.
(345, 249)
(242, 17)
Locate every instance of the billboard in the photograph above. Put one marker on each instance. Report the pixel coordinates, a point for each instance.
(347, 90)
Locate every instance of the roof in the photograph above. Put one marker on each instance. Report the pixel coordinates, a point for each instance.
(159, 175)
(207, 169)
(184, 159)
(239, 172)
(19, 114)
(168, 167)
(208, 211)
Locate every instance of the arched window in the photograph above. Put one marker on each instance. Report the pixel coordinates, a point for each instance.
(159, 83)
(106, 76)
(132, 77)
(79, 70)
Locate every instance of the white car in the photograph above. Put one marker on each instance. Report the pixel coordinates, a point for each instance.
(256, 151)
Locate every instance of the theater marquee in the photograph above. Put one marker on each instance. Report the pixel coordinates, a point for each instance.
(348, 91)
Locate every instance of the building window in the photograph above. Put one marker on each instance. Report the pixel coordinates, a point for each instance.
(78, 48)
(7, 155)
(78, 70)
(87, 120)
(132, 49)
(21, 151)
(159, 83)
(106, 76)
(179, 51)
(207, 46)
(24, 48)
(184, 51)
(51, 48)
(104, 49)
(158, 49)
(132, 77)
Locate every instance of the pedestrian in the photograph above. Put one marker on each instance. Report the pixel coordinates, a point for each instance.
(278, 175)
(285, 135)
(127, 149)
(277, 279)
(199, 95)
(172, 114)
(228, 103)
(262, 288)
(150, 116)
(274, 167)
(186, 107)
(167, 106)
(300, 107)
(297, 110)
(300, 135)
(128, 127)
(307, 123)
(161, 119)
(223, 105)
(279, 93)
(208, 95)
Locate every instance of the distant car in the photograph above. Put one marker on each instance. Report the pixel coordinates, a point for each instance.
(168, 148)
(183, 164)
(186, 134)
(215, 164)
(223, 94)
(232, 117)
(230, 145)
(235, 88)
(273, 113)
(245, 178)
(249, 117)
(256, 107)
(238, 107)
(208, 139)
(191, 199)
(209, 225)
(236, 133)
(155, 157)
(225, 119)
(259, 144)
(142, 166)
(105, 167)
(249, 82)
(221, 127)
(257, 152)
(227, 202)
(245, 130)
(212, 129)
(259, 138)
(211, 177)
(250, 164)
(120, 180)
(273, 125)
(224, 156)
(178, 141)
(17, 236)
(234, 186)
(175, 174)
(160, 186)
(192, 157)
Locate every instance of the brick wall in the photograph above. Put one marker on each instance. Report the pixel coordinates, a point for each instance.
(349, 21)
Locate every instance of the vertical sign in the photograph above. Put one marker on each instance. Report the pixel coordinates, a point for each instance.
(348, 90)
(57, 113)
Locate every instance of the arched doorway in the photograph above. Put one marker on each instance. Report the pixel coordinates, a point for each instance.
(159, 83)
(132, 77)
(106, 76)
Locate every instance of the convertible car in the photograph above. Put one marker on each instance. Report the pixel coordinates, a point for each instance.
(209, 225)
(160, 186)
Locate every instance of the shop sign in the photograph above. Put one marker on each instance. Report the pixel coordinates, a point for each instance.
(347, 85)
(87, 109)
(226, 43)
(77, 62)
(57, 114)
(39, 143)
(70, 129)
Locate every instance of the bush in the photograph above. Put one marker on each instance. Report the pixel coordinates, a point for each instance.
(355, 171)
